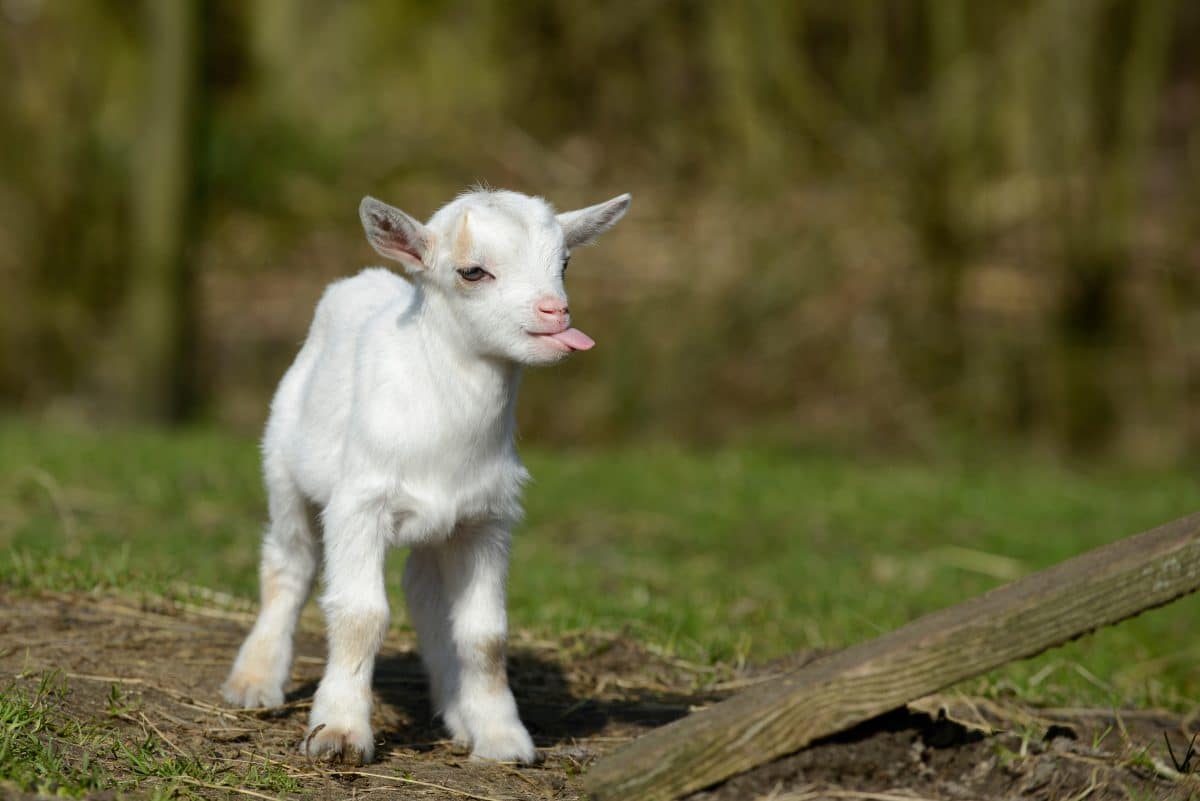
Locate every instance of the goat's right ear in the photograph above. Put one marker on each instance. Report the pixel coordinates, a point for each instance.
(395, 235)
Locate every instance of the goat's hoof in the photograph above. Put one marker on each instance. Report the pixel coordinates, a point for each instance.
(340, 744)
(460, 736)
(250, 693)
(512, 745)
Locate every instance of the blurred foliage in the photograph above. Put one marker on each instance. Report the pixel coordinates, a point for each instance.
(860, 220)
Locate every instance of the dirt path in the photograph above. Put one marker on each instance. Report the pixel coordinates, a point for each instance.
(148, 671)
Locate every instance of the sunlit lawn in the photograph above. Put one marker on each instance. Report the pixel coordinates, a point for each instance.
(728, 555)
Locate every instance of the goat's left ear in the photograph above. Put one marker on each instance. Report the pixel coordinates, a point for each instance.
(395, 235)
(581, 227)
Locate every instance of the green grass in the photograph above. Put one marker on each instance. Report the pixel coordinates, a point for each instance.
(42, 751)
(727, 555)
(45, 750)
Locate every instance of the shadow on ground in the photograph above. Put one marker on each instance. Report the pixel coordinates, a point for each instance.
(555, 708)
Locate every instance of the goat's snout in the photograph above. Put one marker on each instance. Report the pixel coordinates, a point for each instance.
(553, 310)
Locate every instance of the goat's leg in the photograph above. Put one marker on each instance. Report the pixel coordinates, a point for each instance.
(356, 615)
(474, 567)
(429, 611)
(288, 561)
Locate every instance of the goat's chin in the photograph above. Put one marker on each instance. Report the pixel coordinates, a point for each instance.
(544, 358)
(542, 351)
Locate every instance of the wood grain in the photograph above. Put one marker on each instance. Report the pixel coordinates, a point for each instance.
(1018, 620)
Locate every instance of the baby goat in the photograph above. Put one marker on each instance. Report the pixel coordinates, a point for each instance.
(396, 419)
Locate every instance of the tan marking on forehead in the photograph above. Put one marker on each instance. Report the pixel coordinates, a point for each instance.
(464, 245)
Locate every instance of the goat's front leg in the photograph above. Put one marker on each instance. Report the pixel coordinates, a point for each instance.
(475, 696)
(356, 614)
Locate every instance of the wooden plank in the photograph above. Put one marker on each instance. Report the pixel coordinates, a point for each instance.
(1018, 620)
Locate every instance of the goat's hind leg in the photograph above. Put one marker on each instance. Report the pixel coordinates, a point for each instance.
(429, 610)
(474, 569)
(289, 559)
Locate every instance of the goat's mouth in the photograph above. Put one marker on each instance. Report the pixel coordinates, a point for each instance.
(567, 340)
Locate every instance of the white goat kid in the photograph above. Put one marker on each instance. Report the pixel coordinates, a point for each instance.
(396, 419)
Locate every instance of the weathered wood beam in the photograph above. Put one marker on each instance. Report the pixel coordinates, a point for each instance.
(1018, 620)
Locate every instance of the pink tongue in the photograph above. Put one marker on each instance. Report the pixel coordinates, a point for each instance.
(574, 339)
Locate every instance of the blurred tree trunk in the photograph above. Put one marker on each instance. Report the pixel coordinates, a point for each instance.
(940, 167)
(160, 315)
(943, 228)
(1102, 238)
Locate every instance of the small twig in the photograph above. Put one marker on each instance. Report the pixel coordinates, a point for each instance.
(229, 787)
(1165, 770)
(1093, 785)
(216, 596)
(186, 724)
(1106, 760)
(107, 679)
(738, 684)
(1185, 765)
(292, 771)
(217, 614)
(811, 793)
(517, 774)
(417, 782)
(178, 697)
(1151, 715)
(396, 748)
(164, 737)
(1091, 678)
(871, 796)
(308, 740)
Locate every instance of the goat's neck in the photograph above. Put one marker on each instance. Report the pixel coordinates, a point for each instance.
(482, 382)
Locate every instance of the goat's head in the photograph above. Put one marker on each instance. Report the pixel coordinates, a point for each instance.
(499, 259)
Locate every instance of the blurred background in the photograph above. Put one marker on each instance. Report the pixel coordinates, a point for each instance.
(907, 304)
(893, 224)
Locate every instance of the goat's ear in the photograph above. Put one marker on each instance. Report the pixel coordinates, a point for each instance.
(395, 235)
(581, 227)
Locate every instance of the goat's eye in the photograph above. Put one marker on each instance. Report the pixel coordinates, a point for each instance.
(473, 274)
(566, 261)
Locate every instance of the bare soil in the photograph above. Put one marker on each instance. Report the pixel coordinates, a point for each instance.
(581, 696)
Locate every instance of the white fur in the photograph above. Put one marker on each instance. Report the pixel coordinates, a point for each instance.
(396, 420)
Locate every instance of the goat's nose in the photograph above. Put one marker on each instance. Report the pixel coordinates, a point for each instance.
(552, 308)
